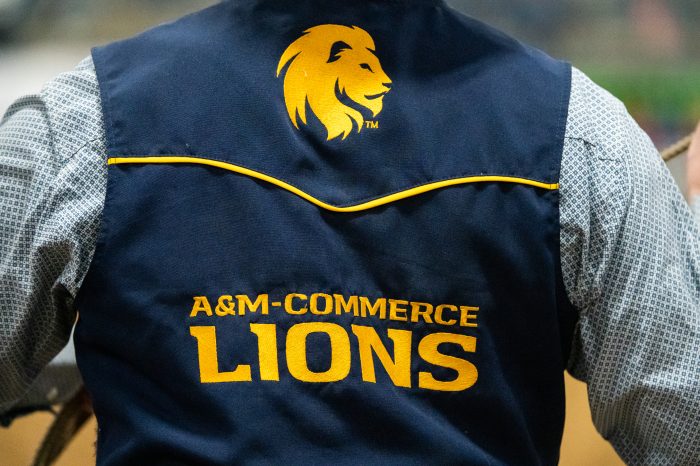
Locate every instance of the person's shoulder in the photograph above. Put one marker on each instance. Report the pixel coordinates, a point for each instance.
(477, 34)
(595, 115)
(72, 105)
(191, 31)
(615, 148)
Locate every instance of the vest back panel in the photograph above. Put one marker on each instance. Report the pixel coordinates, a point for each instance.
(241, 307)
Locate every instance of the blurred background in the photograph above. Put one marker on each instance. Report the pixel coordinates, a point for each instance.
(646, 52)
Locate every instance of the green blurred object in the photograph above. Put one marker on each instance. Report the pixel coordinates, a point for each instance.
(671, 95)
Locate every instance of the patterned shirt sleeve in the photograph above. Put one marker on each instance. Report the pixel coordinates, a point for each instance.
(631, 263)
(52, 181)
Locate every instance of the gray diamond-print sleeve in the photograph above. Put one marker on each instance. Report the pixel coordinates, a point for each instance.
(631, 263)
(52, 183)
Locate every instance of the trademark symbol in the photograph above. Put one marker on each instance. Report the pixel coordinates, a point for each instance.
(371, 124)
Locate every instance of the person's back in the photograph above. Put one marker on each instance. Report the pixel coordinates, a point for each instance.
(229, 317)
(332, 232)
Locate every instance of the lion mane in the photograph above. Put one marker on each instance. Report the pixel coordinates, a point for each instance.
(328, 61)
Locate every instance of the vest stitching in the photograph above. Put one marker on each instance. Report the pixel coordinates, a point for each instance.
(355, 207)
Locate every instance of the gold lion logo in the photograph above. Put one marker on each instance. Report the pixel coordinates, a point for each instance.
(329, 61)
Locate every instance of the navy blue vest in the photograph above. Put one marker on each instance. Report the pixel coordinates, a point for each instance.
(331, 235)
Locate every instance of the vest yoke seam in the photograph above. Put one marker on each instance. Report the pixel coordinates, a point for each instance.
(362, 205)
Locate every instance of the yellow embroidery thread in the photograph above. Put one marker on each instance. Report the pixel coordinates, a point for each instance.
(326, 60)
(347, 209)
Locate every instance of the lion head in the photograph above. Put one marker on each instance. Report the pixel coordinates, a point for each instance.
(328, 61)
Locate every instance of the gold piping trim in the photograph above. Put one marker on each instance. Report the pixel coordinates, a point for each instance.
(354, 208)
